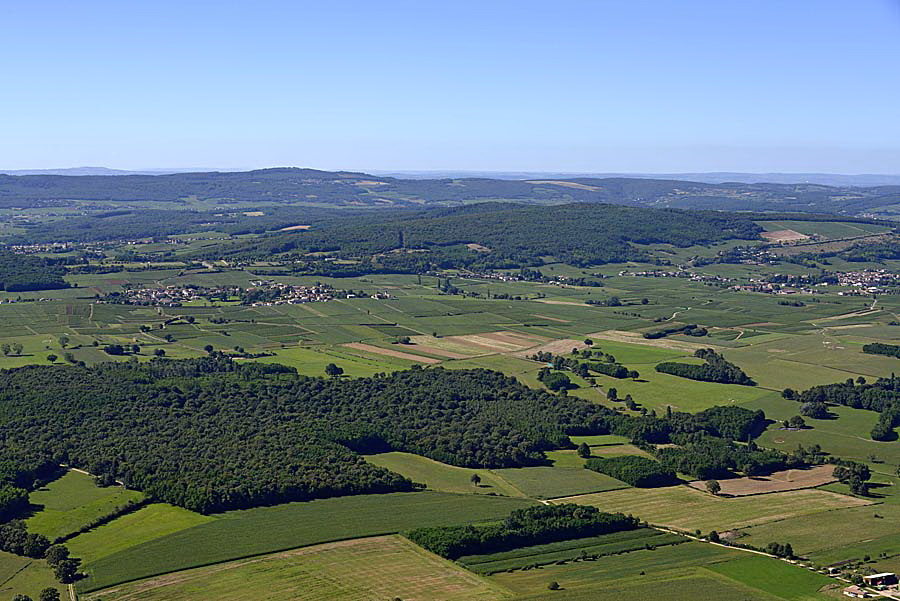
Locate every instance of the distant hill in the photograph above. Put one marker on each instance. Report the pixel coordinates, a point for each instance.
(712, 177)
(352, 189)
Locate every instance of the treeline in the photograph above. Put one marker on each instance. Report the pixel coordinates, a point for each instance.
(524, 527)
(882, 396)
(705, 457)
(634, 470)
(21, 273)
(716, 369)
(690, 330)
(877, 348)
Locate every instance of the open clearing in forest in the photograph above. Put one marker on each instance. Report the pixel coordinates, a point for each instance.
(433, 350)
(368, 569)
(443, 477)
(360, 346)
(73, 501)
(775, 482)
(687, 509)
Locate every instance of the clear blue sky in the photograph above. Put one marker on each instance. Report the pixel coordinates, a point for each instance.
(565, 85)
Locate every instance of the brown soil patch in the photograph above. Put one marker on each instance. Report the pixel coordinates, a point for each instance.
(291, 228)
(390, 353)
(575, 185)
(784, 236)
(487, 341)
(254, 213)
(776, 482)
(520, 340)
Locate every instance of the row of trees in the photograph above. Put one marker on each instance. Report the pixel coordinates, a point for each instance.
(523, 527)
(634, 470)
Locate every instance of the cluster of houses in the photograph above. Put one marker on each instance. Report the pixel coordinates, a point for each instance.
(679, 273)
(169, 296)
(868, 281)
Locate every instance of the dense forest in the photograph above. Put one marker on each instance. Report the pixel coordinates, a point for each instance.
(523, 527)
(716, 369)
(878, 348)
(19, 273)
(509, 236)
(210, 434)
(285, 185)
(634, 470)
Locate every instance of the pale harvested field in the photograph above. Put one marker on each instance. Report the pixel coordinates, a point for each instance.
(368, 569)
(688, 509)
(360, 346)
(478, 247)
(862, 313)
(557, 347)
(520, 340)
(636, 338)
(451, 344)
(575, 185)
(558, 302)
(784, 236)
(488, 342)
(433, 350)
(291, 228)
(776, 482)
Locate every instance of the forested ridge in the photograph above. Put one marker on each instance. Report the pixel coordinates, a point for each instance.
(515, 236)
(19, 273)
(211, 434)
(341, 188)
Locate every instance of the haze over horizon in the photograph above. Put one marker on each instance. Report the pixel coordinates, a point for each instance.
(572, 87)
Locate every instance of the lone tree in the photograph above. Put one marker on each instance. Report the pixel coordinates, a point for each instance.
(713, 536)
(713, 487)
(52, 358)
(553, 586)
(475, 479)
(584, 451)
(49, 594)
(208, 348)
(333, 370)
(589, 342)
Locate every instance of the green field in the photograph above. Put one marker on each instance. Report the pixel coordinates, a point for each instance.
(238, 534)
(672, 573)
(24, 576)
(371, 569)
(552, 482)
(551, 553)
(777, 578)
(442, 477)
(73, 501)
(147, 523)
(689, 509)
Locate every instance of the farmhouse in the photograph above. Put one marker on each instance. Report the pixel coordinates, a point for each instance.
(883, 579)
(856, 592)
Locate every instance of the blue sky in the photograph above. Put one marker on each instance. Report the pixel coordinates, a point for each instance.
(558, 85)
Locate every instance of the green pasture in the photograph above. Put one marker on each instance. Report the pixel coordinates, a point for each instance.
(147, 523)
(24, 576)
(552, 482)
(73, 501)
(775, 577)
(443, 477)
(238, 534)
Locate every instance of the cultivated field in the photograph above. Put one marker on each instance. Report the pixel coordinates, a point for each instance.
(368, 569)
(775, 482)
(238, 534)
(24, 576)
(685, 508)
(443, 477)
